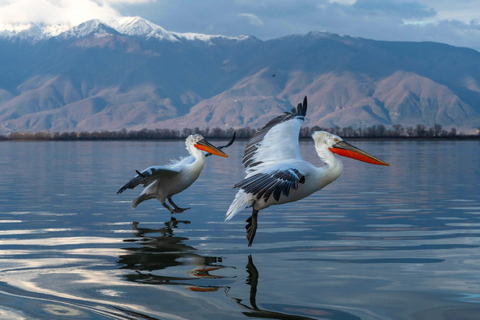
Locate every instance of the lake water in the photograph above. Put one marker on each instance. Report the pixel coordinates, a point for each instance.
(399, 242)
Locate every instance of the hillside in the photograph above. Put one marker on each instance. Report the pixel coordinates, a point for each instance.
(133, 74)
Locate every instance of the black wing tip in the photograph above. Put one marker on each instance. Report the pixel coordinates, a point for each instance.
(231, 140)
(275, 183)
(298, 113)
(128, 185)
(125, 187)
(302, 108)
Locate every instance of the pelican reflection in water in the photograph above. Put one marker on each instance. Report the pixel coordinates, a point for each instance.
(253, 310)
(276, 172)
(164, 252)
(163, 182)
(154, 260)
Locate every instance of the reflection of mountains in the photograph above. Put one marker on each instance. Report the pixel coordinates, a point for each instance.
(163, 252)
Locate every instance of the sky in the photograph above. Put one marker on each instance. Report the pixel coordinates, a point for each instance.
(447, 21)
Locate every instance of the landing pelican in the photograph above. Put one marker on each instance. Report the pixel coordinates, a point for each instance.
(163, 182)
(276, 172)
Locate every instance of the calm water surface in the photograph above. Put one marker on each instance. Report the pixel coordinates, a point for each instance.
(399, 242)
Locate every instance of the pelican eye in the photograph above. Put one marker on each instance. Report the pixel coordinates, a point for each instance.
(336, 140)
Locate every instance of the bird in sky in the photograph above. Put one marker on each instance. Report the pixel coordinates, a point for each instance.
(276, 172)
(163, 182)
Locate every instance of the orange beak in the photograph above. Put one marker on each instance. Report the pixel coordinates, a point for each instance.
(204, 145)
(347, 150)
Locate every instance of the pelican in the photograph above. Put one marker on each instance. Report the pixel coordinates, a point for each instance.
(163, 182)
(276, 172)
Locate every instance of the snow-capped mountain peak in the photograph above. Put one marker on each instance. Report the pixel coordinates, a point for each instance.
(32, 31)
(88, 27)
(137, 26)
(130, 26)
(190, 36)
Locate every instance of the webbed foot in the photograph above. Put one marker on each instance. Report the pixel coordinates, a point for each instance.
(179, 210)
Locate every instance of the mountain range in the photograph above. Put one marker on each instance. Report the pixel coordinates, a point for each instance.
(130, 73)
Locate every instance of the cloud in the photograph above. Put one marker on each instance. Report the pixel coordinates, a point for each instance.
(252, 19)
(454, 32)
(59, 11)
(444, 21)
(397, 20)
(464, 10)
(343, 1)
(402, 9)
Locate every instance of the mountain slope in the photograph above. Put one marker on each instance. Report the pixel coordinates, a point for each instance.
(132, 74)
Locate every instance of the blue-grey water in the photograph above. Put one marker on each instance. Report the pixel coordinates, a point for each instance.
(399, 242)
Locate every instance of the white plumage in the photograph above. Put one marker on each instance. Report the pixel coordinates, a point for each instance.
(276, 172)
(163, 182)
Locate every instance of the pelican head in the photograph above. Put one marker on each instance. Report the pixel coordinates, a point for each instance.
(338, 146)
(199, 142)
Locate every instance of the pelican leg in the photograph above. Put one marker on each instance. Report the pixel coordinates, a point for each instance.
(177, 208)
(168, 207)
(251, 227)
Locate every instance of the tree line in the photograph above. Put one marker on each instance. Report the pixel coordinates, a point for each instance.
(376, 131)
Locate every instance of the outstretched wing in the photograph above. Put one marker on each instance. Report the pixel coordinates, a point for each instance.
(277, 140)
(148, 176)
(277, 181)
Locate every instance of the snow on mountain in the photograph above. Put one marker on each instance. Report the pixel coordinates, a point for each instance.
(136, 26)
(131, 26)
(189, 36)
(10, 30)
(32, 31)
(86, 28)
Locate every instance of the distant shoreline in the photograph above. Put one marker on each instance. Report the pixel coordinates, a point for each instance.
(376, 132)
(457, 138)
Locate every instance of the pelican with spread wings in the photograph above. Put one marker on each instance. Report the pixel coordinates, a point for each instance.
(276, 172)
(163, 182)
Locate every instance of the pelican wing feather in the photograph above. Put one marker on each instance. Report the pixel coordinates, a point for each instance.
(148, 176)
(277, 140)
(275, 182)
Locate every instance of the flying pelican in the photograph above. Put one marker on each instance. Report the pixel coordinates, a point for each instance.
(276, 172)
(163, 182)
